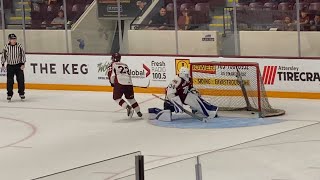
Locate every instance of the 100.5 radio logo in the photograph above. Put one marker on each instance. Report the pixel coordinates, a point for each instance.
(158, 70)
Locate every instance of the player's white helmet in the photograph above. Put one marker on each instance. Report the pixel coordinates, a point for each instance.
(184, 73)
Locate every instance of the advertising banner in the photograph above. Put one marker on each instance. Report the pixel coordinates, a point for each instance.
(92, 70)
(286, 75)
(282, 75)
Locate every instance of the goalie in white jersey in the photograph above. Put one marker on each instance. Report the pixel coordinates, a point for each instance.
(120, 79)
(181, 92)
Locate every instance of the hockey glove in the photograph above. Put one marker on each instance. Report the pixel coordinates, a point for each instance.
(194, 91)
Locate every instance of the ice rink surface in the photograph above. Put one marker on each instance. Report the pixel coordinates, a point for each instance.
(56, 130)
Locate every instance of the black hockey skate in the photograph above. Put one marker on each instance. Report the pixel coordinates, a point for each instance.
(23, 97)
(9, 98)
(139, 114)
(129, 111)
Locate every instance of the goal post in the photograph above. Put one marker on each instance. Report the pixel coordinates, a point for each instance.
(233, 86)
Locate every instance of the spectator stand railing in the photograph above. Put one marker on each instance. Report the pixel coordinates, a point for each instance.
(227, 19)
(254, 19)
(167, 27)
(42, 26)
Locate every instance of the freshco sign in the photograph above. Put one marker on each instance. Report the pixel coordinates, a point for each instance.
(285, 73)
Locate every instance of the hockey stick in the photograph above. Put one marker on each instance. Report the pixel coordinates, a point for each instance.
(243, 89)
(183, 109)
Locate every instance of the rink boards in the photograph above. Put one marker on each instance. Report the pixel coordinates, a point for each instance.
(289, 78)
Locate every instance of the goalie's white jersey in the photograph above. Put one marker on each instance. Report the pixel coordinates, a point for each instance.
(178, 87)
(119, 73)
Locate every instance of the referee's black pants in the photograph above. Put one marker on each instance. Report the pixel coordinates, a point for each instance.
(11, 71)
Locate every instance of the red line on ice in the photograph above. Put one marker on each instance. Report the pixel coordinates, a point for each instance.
(147, 100)
(32, 133)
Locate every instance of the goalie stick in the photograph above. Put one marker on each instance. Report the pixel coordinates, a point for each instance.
(183, 109)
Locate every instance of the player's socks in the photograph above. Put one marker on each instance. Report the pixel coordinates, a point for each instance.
(122, 103)
(134, 105)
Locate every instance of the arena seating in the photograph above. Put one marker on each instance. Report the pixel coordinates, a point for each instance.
(199, 10)
(252, 12)
(263, 14)
(42, 14)
(270, 6)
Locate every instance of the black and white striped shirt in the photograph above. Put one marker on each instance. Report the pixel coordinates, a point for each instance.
(13, 54)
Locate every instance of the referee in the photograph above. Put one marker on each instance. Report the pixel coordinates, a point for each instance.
(14, 55)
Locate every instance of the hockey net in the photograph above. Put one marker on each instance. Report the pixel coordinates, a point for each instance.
(233, 86)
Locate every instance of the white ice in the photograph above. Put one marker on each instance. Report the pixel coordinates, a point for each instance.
(57, 130)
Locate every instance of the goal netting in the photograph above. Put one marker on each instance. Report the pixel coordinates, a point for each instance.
(233, 86)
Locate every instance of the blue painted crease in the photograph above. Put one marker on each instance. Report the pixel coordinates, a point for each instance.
(216, 123)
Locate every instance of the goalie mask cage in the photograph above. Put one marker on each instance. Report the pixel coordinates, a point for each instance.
(233, 86)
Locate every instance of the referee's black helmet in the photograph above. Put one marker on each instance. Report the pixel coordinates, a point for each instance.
(12, 36)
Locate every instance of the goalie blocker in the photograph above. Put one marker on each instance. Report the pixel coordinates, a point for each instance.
(179, 93)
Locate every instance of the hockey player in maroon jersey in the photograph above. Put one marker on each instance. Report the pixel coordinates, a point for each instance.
(180, 92)
(120, 79)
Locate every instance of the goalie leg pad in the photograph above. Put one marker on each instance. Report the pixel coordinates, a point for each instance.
(177, 104)
(158, 114)
(201, 105)
(168, 106)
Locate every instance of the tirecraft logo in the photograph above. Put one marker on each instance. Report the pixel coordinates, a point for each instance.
(286, 73)
(269, 74)
(204, 68)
